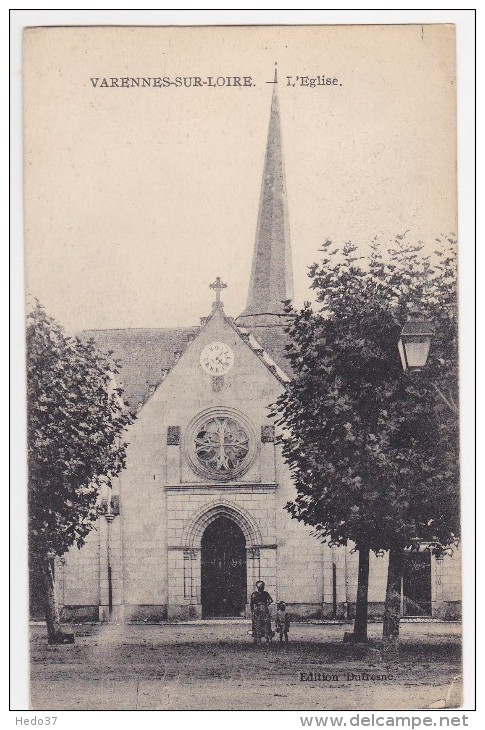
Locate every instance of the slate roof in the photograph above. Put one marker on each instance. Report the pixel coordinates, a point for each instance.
(273, 340)
(147, 354)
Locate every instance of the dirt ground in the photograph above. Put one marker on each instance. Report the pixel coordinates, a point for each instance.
(214, 666)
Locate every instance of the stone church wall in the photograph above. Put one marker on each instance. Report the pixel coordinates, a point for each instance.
(300, 555)
(446, 584)
(142, 504)
(77, 576)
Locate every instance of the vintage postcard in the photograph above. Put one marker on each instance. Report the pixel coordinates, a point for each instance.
(240, 251)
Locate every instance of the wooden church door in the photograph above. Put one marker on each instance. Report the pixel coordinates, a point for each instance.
(223, 569)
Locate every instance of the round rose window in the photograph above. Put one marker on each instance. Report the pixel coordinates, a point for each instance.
(220, 445)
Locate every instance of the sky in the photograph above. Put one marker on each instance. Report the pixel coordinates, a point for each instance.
(137, 198)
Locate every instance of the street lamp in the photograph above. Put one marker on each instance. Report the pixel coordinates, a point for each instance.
(415, 341)
(414, 345)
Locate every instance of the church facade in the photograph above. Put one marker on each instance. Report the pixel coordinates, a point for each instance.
(198, 515)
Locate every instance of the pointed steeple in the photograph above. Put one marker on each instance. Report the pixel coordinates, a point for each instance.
(271, 273)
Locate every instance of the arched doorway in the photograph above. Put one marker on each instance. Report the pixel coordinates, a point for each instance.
(223, 569)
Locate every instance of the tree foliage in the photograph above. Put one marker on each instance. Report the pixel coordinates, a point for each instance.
(76, 420)
(374, 450)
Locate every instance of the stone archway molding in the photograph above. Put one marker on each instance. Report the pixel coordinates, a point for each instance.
(193, 532)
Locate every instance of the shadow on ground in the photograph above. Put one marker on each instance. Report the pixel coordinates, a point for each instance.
(217, 667)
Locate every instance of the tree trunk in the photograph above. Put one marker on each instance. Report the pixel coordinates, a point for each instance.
(361, 607)
(392, 609)
(54, 632)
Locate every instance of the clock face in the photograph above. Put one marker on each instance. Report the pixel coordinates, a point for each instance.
(217, 358)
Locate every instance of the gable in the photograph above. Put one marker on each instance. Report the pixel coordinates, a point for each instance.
(252, 368)
(147, 355)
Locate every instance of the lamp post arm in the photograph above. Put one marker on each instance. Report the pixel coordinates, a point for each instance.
(450, 403)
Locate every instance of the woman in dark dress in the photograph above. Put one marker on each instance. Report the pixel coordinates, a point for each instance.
(260, 603)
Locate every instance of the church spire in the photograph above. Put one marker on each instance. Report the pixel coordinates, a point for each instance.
(271, 274)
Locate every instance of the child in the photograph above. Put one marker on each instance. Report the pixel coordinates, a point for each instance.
(282, 621)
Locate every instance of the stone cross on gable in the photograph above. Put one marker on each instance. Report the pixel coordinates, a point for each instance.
(218, 285)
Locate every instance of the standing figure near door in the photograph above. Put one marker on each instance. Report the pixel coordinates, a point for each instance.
(260, 603)
(282, 621)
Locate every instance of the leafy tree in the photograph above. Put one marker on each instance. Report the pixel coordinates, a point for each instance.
(76, 420)
(374, 450)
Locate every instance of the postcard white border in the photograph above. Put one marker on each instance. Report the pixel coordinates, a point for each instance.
(464, 20)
